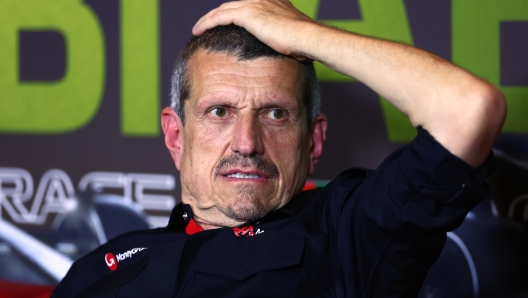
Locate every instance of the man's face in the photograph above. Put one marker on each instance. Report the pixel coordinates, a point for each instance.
(245, 148)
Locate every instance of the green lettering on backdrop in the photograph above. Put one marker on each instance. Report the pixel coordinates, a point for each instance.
(140, 67)
(380, 18)
(51, 107)
(476, 47)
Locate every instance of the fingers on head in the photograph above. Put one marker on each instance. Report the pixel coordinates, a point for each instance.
(225, 14)
(217, 18)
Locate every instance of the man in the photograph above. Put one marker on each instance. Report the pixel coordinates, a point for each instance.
(244, 130)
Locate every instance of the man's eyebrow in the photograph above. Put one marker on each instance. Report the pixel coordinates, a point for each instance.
(285, 103)
(214, 100)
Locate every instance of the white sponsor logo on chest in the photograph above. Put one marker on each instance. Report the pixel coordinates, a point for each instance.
(129, 253)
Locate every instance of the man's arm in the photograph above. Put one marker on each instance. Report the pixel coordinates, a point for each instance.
(462, 112)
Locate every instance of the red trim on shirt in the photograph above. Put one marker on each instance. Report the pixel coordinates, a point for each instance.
(309, 186)
(192, 227)
(12, 289)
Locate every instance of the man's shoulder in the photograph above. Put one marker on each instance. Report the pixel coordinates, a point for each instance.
(125, 249)
(346, 181)
(134, 238)
(122, 252)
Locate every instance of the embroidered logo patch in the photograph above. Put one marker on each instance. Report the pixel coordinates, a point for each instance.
(246, 231)
(129, 253)
(111, 261)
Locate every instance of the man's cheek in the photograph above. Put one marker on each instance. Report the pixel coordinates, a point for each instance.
(213, 133)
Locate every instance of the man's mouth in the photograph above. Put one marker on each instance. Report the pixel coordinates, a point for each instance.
(243, 176)
(246, 167)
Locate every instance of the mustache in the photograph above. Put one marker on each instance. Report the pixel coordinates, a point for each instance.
(256, 162)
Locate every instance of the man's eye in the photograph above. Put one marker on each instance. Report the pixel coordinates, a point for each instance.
(218, 112)
(276, 114)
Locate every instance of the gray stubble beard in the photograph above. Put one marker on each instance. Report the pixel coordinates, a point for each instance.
(247, 205)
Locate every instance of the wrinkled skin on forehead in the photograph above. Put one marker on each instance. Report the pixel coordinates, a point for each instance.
(245, 148)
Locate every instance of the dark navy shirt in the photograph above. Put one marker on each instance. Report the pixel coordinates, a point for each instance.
(366, 234)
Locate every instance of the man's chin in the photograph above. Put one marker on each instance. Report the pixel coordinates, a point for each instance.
(246, 209)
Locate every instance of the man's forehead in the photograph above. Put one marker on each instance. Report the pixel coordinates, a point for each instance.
(207, 59)
(221, 69)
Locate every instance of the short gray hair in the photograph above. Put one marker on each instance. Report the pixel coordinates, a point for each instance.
(238, 42)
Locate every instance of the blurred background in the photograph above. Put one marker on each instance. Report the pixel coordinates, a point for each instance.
(82, 156)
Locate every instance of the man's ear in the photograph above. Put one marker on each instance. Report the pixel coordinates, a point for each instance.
(318, 135)
(173, 130)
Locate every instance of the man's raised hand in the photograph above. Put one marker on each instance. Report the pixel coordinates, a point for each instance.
(274, 22)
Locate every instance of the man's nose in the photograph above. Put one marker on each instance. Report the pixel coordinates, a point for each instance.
(247, 136)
